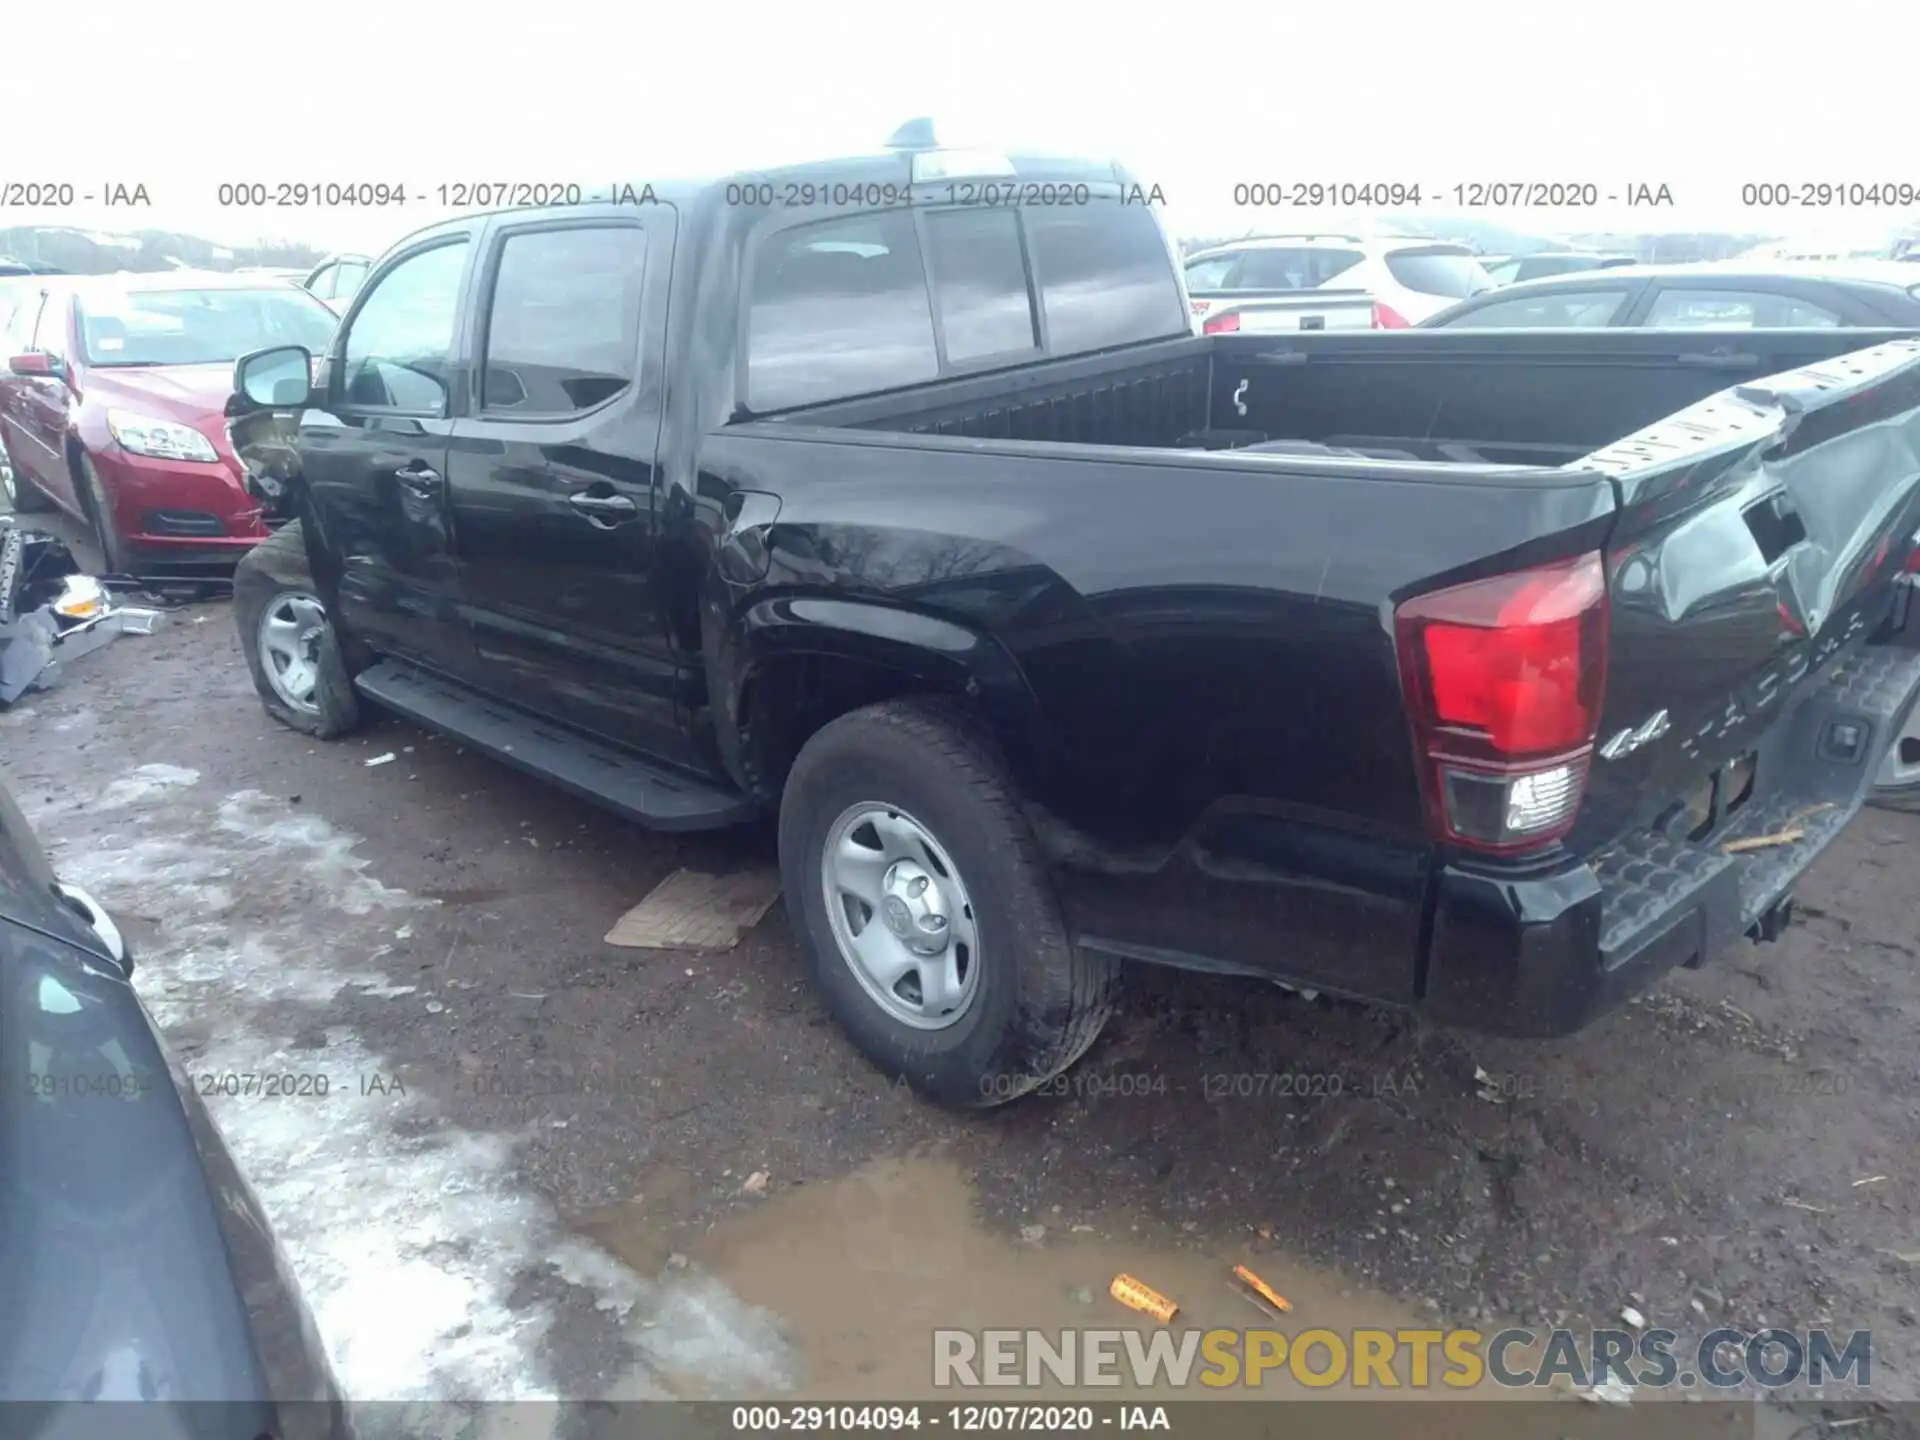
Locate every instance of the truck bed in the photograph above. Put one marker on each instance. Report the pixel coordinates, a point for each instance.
(1449, 397)
(1200, 625)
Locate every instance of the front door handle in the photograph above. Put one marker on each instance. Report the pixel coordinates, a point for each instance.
(422, 480)
(603, 509)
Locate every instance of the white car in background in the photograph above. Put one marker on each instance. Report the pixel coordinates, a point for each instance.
(1407, 278)
(336, 279)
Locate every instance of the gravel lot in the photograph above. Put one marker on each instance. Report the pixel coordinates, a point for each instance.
(546, 1166)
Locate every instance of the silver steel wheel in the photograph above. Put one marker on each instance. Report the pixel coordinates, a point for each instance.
(901, 916)
(1901, 769)
(289, 639)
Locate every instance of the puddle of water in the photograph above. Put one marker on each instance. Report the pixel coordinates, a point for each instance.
(864, 1269)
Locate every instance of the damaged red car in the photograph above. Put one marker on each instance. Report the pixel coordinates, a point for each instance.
(111, 409)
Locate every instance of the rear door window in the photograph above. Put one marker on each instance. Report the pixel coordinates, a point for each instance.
(1106, 276)
(1562, 310)
(1451, 276)
(1204, 275)
(980, 284)
(1676, 308)
(838, 308)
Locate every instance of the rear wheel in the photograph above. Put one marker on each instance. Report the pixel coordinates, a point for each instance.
(1897, 786)
(292, 649)
(925, 913)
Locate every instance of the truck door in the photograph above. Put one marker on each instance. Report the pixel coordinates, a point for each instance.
(553, 474)
(374, 454)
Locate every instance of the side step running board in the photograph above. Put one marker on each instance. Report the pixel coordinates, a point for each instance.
(652, 795)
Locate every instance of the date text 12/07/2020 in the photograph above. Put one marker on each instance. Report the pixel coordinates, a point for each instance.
(1035, 1419)
(484, 1082)
(450, 195)
(1464, 195)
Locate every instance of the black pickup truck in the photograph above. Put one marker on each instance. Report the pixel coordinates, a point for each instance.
(896, 496)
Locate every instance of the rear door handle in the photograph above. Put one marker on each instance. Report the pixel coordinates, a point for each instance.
(1720, 360)
(605, 509)
(422, 480)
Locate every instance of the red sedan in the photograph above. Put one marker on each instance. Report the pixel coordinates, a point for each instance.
(112, 408)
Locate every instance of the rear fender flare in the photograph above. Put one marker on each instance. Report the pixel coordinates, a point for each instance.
(946, 656)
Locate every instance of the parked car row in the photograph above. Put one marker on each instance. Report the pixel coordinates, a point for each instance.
(1710, 295)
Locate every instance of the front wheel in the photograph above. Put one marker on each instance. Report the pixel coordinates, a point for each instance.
(924, 911)
(292, 649)
(113, 548)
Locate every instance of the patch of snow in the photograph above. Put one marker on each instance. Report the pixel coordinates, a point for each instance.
(145, 783)
(409, 1236)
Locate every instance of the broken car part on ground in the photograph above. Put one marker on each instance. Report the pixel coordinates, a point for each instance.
(51, 612)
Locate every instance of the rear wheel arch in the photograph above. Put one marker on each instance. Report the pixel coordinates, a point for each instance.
(790, 667)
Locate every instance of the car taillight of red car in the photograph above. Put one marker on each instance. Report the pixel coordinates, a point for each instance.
(1503, 679)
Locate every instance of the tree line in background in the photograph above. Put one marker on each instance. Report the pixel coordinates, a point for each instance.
(89, 252)
(85, 252)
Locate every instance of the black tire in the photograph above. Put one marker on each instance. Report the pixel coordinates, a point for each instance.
(1905, 795)
(275, 570)
(114, 554)
(1041, 1000)
(24, 498)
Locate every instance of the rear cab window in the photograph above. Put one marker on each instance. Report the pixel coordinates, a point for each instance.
(875, 301)
(838, 308)
(1445, 272)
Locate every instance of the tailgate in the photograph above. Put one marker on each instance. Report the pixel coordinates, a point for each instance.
(1286, 312)
(1761, 535)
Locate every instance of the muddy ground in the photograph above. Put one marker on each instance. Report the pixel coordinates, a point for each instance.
(546, 1166)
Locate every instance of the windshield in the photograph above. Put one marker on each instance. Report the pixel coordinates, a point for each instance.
(198, 327)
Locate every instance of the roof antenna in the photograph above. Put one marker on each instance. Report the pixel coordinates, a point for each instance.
(916, 134)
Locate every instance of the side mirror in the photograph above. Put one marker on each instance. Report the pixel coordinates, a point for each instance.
(32, 363)
(277, 379)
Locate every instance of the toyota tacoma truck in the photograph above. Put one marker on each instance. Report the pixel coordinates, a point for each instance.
(1493, 674)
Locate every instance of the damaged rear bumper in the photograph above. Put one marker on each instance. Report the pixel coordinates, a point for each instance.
(1544, 956)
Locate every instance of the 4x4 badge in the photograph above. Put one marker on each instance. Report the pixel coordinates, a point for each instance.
(1634, 736)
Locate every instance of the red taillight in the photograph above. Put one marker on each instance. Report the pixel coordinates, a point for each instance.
(1385, 317)
(1503, 680)
(1226, 324)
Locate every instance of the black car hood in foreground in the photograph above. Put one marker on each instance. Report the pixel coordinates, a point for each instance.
(136, 1264)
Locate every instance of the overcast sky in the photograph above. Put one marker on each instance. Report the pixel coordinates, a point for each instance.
(181, 95)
